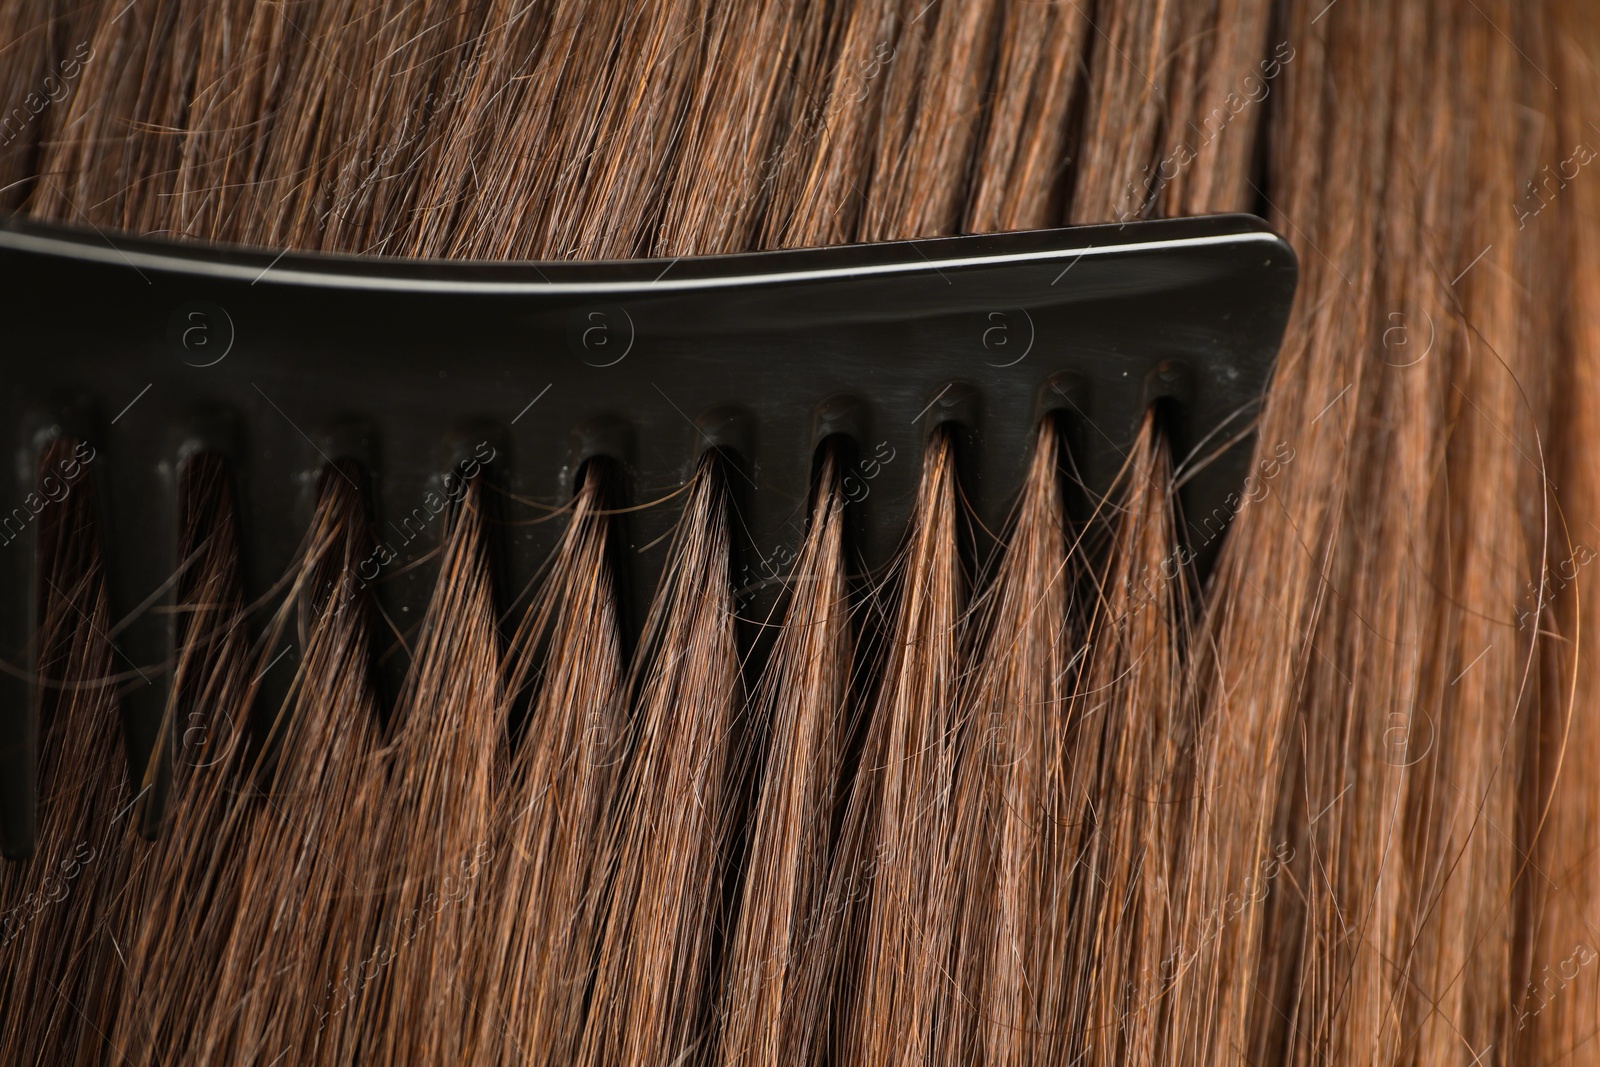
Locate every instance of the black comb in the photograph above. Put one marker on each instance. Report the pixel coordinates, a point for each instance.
(427, 372)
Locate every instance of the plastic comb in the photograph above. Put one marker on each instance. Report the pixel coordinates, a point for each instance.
(428, 372)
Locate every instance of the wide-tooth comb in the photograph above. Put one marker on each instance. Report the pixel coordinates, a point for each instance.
(424, 372)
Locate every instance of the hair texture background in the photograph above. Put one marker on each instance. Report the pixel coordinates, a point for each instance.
(445, 756)
(774, 1000)
(1365, 637)
(1222, 59)
(55, 945)
(1557, 1013)
(1556, 992)
(324, 742)
(1334, 805)
(895, 915)
(169, 884)
(728, 129)
(1127, 79)
(666, 862)
(547, 891)
(1013, 832)
(1264, 658)
(1126, 782)
(1019, 170)
(29, 47)
(256, 980)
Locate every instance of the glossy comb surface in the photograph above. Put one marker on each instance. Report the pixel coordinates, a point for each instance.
(424, 372)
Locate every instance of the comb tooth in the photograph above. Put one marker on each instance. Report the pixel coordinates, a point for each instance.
(277, 473)
(992, 478)
(500, 475)
(215, 431)
(883, 481)
(665, 461)
(771, 510)
(409, 515)
(881, 487)
(19, 608)
(141, 498)
(403, 586)
(539, 465)
(542, 468)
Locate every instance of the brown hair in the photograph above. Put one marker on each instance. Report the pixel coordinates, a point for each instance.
(1040, 794)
